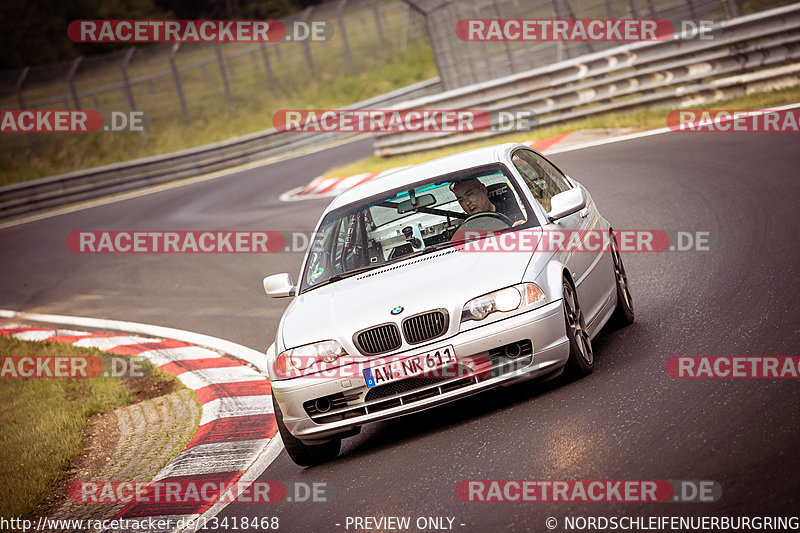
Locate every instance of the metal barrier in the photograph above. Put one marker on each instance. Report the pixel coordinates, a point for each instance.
(461, 63)
(59, 190)
(636, 75)
(642, 74)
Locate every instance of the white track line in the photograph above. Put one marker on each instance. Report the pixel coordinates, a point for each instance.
(212, 458)
(253, 472)
(273, 448)
(104, 200)
(107, 343)
(658, 131)
(255, 358)
(292, 195)
(231, 407)
(44, 334)
(197, 379)
(169, 355)
(252, 457)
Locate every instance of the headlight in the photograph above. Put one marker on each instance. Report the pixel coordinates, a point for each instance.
(504, 300)
(292, 363)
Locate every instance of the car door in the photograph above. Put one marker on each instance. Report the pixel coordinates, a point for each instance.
(545, 181)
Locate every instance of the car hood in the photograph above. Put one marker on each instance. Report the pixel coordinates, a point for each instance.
(445, 279)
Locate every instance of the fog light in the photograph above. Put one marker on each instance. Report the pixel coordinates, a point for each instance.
(513, 350)
(322, 405)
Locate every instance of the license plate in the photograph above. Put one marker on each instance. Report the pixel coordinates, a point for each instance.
(428, 363)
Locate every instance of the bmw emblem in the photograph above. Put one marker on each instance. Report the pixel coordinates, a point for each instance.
(397, 310)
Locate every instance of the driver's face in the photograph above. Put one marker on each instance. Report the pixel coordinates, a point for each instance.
(472, 197)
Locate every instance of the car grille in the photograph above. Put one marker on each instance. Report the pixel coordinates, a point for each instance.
(426, 326)
(413, 389)
(380, 339)
(402, 386)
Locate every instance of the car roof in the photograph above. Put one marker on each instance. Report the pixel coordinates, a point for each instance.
(422, 171)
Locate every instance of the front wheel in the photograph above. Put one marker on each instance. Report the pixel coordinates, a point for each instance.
(581, 357)
(301, 453)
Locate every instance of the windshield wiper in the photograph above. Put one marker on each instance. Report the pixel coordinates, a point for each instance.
(438, 246)
(428, 249)
(343, 275)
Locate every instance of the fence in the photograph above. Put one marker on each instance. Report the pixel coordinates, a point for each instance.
(755, 49)
(752, 50)
(190, 80)
(54, 191)
(463, 63)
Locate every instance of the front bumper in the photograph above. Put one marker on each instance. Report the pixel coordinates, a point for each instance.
(544, 328)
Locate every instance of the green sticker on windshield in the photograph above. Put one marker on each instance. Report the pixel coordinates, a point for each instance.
(317, 273)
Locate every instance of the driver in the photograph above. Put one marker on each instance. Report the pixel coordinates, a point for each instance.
(473, 197)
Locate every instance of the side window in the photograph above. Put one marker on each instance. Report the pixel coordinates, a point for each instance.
(349, 245)
(542, 178)
(338, 247)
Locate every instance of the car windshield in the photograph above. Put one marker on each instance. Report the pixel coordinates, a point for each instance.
(412, 221)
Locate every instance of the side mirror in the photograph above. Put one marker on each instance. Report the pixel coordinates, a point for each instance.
(279, 286)
(565, 203)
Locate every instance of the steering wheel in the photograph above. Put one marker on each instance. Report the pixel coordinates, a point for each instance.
(486, 220)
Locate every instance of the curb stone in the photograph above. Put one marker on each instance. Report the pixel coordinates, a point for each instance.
(237, 420)
(328, 187)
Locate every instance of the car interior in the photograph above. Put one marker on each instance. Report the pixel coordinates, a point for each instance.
(411, 222)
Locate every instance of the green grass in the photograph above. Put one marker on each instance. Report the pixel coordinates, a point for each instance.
(43, 420)
(212, 121)
(406, 58)
(634, 120)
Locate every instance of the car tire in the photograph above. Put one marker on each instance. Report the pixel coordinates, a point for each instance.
(581, 357)
(301, 453)
(623, 313)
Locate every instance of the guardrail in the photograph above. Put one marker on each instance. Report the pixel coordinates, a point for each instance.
(764, 46)
(753, 49)
(54, 191)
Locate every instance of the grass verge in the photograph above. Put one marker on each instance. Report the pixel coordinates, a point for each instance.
(634, 120)
(43, 420)
(211, 121)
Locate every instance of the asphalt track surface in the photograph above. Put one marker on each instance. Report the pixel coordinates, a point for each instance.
(628, 420)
